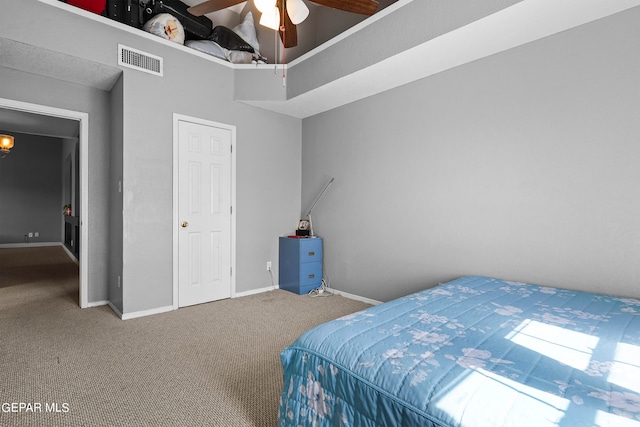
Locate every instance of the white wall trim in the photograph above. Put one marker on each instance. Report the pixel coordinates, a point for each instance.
(27, 245)
(115, 309)
(144, 313)
(83, 119)
(99, 303)
(355, 297)
(253, 292)
(333, 291)
(137, 314)
(176, 119)
(71, 256)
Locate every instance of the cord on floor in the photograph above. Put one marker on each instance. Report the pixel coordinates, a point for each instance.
(323, 291)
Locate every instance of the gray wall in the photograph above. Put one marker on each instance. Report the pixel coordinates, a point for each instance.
(267, 177)
(523, 165)
(267, 153)
(31, 190)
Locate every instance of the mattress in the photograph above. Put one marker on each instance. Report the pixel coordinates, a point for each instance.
(474, 352)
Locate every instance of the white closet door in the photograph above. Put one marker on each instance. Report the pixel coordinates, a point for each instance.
(204, 204)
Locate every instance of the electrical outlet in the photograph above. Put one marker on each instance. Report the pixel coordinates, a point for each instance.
(30, 234)
(36, 234)
(268, 265)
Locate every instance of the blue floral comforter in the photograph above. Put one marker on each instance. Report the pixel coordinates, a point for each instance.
(474, 352)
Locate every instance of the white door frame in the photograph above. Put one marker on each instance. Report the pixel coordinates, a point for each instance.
(83, 119)
(176, 137)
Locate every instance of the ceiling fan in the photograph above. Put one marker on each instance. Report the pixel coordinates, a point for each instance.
(284, 15)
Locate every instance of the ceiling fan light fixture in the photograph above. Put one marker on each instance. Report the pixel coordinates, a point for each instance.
(271, 18)
(297, 10)
(264, 5)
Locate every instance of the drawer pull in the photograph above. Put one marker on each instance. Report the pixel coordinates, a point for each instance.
(312, 253)
(311, 276)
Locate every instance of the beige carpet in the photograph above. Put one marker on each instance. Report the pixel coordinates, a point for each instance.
(214, 364)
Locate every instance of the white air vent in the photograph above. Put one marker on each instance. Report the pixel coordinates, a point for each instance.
(139, 60)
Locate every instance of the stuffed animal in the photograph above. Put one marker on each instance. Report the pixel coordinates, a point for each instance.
(166, 26)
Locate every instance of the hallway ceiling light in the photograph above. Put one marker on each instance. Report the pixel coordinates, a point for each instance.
(6, 144)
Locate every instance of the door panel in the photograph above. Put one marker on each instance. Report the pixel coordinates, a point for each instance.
(204, 206)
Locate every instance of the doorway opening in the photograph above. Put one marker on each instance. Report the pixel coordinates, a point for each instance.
(82, 206)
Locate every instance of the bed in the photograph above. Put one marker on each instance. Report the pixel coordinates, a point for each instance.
(474, 352)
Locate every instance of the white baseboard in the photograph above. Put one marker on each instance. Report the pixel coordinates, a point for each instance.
(333, 291)
(254, 291)
(98, 303)
(27, 245)
(144, 313)
(115, 310)
(71, 256)
(355, 297)
(159, 310)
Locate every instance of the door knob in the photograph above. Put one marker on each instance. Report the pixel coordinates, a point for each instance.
(184, 224)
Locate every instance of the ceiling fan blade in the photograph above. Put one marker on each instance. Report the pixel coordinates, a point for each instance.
(290, 35)
(212, 6)
(363, 7)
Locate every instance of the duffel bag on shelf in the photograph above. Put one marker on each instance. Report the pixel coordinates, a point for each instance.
(95, 6)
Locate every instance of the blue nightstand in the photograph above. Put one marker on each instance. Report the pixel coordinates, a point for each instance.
(300, 264)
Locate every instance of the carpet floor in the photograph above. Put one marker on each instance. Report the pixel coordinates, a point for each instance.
(215, 364)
